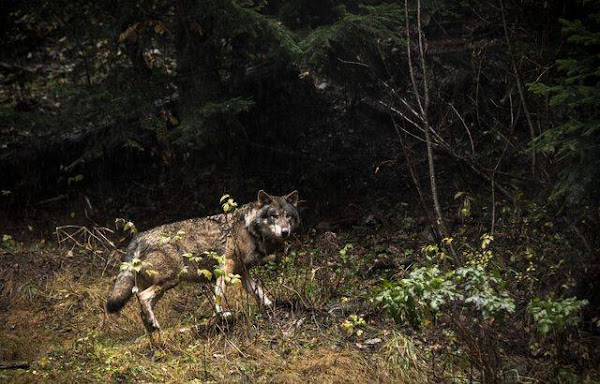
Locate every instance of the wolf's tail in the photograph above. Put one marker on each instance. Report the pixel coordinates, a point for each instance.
(121, 292)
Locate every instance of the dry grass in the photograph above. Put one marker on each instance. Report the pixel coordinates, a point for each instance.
(52, 316)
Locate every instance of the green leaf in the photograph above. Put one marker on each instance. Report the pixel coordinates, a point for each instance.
(151, 272)
(206, 273)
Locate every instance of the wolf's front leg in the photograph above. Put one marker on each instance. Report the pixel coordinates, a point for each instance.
(220, 297)
(252, 287)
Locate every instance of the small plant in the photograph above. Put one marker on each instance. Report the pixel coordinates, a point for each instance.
(230, 278)
(418, 297)
(196, 260)
(553, 319)
(8, 242)
(405, 358)
(486, 240)
(467, 199)
(555, 315)
(136, 265)
(74, 179)
(166, 238)
(408, 222)
(354, 324)
(485, 291)
(472, 299)
(217, 271)
(348, 265)
(126, 225)
(227, 203)
(345, 249)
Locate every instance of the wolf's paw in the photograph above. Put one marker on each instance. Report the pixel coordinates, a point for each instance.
(150, 322)
(152, 326)
(225, 315)
(268, 304)
(155, 325)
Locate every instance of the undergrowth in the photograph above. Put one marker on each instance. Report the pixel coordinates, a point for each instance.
(370, 304)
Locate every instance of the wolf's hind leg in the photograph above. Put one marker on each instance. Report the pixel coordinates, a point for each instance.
(148, 299)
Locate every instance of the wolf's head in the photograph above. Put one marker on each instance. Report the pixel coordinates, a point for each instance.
(277, 216)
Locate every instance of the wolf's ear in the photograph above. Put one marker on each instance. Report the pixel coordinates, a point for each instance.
(292, 198)
(264, 198)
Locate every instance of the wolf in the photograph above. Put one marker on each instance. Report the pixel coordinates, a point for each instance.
(188, 250)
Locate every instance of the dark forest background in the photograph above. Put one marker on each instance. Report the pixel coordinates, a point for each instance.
(417, 134)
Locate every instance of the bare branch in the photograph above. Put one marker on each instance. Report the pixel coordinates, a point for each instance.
(411, 70)
(466, 128)
(519, 86)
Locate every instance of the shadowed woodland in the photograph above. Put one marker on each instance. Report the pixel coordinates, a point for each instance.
(447, 156)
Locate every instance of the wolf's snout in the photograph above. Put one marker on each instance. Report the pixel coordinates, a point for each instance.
(285, 232)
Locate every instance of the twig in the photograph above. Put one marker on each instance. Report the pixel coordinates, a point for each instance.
(51, 200)
(397, 128)
(477, 93)
(412, 172)
(494, 189)
(584, 241)
(519, 86)
(297, 294)
(15, 366)
(353, 63)
(411, 71)
(396, 111)
(466, 128)
(68, 235)
(236, 347)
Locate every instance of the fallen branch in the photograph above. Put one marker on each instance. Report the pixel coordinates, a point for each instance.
(15, 366)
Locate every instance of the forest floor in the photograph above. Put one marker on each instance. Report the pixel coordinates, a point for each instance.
(52, 317)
